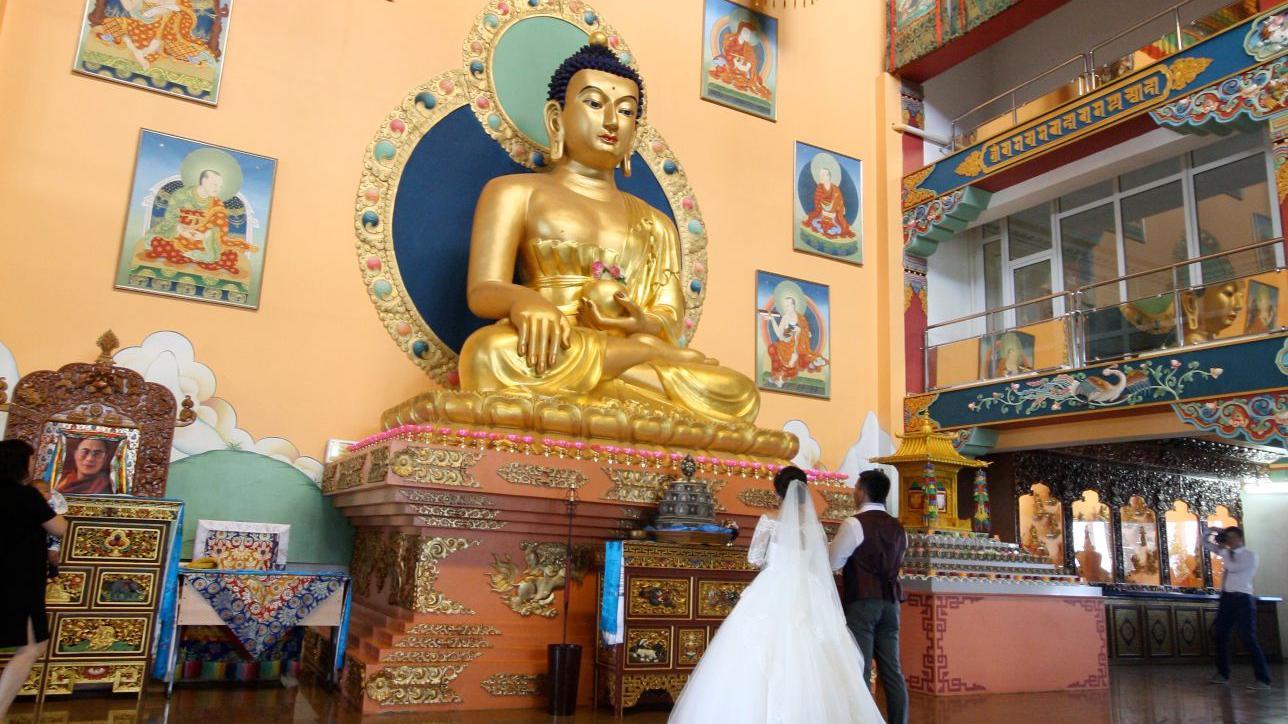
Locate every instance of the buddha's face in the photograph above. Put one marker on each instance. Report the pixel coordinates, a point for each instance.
(1220, 306)
(598, 118)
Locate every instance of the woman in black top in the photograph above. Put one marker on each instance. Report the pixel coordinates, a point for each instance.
(25, 518)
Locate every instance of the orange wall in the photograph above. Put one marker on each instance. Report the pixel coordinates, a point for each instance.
(307, 83)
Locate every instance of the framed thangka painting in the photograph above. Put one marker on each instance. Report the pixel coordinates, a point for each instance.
(168, 46)
(792, 336)
(828, 204)
(739, 58)
(198, 221)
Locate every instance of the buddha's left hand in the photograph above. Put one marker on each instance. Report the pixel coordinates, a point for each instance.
(636, 321)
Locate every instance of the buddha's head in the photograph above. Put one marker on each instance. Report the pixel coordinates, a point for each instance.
(593, 108)
(1211, 309)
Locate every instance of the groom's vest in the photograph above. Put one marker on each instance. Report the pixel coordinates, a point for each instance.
(873, 569)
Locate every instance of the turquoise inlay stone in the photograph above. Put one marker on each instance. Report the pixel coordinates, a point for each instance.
(538, 159)
(626, 58)
(491, 20)
(589, 17)
(382, 288)
(426, 99)
(385, 150)
(476, 67)
(420, 348)
(696, 286)
(370, 218)
(695, 226)
(669, 167)
(533, 3)
(494, 121)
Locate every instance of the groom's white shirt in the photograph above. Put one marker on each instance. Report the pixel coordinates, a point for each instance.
(849, 537)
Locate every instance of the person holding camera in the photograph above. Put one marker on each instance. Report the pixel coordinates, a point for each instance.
(1238, 607)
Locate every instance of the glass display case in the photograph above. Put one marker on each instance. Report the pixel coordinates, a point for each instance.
(1139, 534)
(1219, 519)
(1093, 539)
(1183, 546)
(1042, 524)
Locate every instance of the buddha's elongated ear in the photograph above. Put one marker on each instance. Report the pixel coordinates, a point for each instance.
(554, 129)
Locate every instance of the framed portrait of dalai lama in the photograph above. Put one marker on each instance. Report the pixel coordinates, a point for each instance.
(87, 459)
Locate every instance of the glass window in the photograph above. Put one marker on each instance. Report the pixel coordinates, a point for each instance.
(1082, 197)
(1153, 236)
(1031, 282)
(1089, 244)
(1149, 174)
(1233, 211)
(1030, 231)
(1139, 542)
(1228, 146)
(993, 275)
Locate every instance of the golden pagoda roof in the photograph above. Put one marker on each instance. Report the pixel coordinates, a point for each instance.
(923, 443)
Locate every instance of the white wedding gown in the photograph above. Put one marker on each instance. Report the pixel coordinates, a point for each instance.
(784, 654)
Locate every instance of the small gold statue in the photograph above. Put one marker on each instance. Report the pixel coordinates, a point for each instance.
(596, 309)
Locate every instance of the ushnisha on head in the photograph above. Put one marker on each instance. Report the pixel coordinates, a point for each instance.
(593, 108)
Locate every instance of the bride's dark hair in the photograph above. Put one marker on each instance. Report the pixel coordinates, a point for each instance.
(783, 479)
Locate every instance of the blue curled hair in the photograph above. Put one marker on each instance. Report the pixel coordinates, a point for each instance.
(591, 57)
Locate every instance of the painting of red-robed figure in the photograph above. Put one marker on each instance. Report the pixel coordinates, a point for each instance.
(198, 221)
(88, 466)
(792, 331)
(827, 204)
(739, 58)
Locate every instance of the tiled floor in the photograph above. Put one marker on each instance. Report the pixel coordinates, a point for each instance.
(1138, 695)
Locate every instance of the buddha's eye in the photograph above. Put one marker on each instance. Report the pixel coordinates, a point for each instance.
(593, 103)
(626, 111)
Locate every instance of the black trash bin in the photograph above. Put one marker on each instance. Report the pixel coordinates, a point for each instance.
(565, 669)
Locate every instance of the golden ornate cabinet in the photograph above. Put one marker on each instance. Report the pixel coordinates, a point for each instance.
(675, 596)
(103, 606)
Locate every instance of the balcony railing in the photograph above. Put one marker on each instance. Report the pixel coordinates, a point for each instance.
(1135, 48)
(1206, 300)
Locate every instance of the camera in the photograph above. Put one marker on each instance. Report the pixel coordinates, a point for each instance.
(1220, 537)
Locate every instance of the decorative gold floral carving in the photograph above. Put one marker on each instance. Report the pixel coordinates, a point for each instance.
(98, 542)
(444, 497)
(634, 686)
(912, 195)
(125, 678)
(972, 165)
(402, 685)
(432, 521)
(379, 469)
(432, 657)
(650, 647)
(454, 629)
(514, 684)
(350, 472)
(436, 466)
(444, 642)
(1183, 71)
(100, 634)
(635, 486)
(416, 573)
(759, 498)
(663, 555)
(329, 478)
(917, 406)
(67, 588)
(717, 598)
(840, 505)
(659, 597)
(692, 643)
(532, 590)
(444, 516)
(541, 476)
(83, 506)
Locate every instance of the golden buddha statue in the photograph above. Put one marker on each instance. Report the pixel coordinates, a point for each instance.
(597, 307)
(584, 281)
(1210, 310)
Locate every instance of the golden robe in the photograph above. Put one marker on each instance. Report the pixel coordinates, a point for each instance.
(558, 270)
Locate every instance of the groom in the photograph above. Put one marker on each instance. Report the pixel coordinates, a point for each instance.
(868, 549)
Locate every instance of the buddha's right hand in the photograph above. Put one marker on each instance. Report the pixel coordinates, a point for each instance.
(543, 331)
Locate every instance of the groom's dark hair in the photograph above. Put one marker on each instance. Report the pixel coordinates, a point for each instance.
(783, 479)
(876, 484)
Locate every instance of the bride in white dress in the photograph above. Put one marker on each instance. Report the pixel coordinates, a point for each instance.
(784, 654)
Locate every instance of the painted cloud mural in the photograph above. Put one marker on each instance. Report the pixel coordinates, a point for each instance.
(168, 358)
